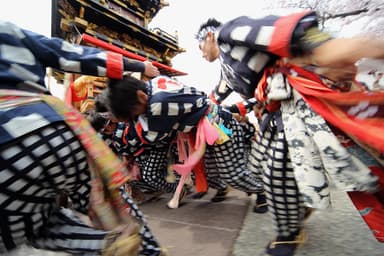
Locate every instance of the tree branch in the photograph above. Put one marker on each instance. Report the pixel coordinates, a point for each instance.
(346, 14)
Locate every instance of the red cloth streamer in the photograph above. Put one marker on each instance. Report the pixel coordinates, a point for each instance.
(371, 206)
(359, 114)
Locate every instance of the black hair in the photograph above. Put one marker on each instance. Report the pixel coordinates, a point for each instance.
(97, 120)
(211, 22)
(101, 102)
(122, 96)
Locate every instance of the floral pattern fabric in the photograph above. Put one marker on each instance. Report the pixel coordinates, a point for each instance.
(317, 156)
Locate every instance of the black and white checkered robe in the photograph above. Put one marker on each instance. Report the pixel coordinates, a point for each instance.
(245, 51)
(40, 157)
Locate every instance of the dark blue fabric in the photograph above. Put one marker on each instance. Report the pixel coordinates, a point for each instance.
(41, 109)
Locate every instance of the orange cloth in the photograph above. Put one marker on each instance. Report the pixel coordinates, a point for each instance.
(201, 183)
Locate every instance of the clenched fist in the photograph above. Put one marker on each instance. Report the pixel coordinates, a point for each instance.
(150, 70)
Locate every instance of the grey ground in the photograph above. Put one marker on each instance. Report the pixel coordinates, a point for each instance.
(339, 231)
(230, 228)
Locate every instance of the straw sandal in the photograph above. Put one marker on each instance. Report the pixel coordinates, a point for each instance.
(124, 240)
(280, 247)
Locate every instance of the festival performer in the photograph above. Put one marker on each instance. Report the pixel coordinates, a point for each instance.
(295, 72)
(107, 127)
(164, 109)
(151, 160)
(55, 172)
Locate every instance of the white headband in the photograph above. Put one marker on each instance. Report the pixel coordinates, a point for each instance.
(203, 33)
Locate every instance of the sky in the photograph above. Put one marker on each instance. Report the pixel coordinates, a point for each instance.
(185, 17)
(20, 12)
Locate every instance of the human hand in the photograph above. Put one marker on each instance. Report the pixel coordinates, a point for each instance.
(347, 73)
(240, 118)
(150, 70)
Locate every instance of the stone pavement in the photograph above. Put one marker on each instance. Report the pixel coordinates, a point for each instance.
(337, 232)
(198, 227)
(230, 228)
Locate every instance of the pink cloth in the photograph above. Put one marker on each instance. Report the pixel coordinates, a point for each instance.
(206, 134)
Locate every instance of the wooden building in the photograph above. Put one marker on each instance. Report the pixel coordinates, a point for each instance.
(116, 25)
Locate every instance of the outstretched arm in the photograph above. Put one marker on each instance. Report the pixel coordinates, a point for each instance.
(57, 53)
(340, 52)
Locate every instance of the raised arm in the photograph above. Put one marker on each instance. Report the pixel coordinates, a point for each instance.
(62, 55)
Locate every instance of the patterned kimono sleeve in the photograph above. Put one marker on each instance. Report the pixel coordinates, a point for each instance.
(220, 92)
(297, 35)
(242, 107)
(248, 32)
(173, 107)
(285, 36)
(126, 140)
(60, 54)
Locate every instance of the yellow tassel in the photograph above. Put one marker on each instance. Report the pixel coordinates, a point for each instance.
(222, 136)
(129, 246)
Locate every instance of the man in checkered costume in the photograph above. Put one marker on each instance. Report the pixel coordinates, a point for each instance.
(152, 159)
(163, 107)
(247, 48)
(42, 160)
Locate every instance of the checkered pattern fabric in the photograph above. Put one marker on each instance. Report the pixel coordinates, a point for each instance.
(149, 244)
(25, 56)
(212, 171)
(230, 162)
(270, 156)
(172, 107)
(35, 168)
(66, 232)
(243, 43)
(153, 166)
(245, 51)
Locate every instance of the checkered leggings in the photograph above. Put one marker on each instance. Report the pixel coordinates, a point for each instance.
(212, 173)
(227, 162)
(153, 166)
(34, 170)
(66, 232)
(285, 203)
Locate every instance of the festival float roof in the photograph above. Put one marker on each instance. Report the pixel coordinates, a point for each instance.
(120, 26)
